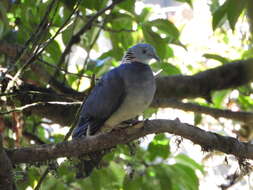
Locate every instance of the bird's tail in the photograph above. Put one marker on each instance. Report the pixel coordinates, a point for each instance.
(86, 166)
(86, 128)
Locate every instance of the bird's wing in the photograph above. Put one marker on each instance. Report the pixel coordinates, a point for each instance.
(105, 99)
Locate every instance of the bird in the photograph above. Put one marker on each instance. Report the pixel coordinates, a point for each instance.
(121, 94)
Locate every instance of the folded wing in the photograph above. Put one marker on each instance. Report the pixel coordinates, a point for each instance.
(104, 99)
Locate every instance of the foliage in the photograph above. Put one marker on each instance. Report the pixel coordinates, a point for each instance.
(153, 167)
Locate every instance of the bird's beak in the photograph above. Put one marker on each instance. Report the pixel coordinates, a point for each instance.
(156, 58)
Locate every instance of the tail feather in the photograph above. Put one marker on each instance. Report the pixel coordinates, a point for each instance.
(85, 167)
(84, 128)
(84, 125)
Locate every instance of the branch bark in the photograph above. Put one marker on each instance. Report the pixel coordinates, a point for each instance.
(6, 180)
(207, 140)
(246, 117)
(230, 75)
(13, 51)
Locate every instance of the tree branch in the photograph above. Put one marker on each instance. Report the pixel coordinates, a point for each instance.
(230, 75)
(76, 38)
(6, 180)
(207, 140)
(13, 50)
(246, 117)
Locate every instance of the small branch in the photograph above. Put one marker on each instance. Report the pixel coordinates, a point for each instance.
(76, 38)
(40, 49)
(88, 57)
(246, 117)
(62, 70)
(6, 178)
(66, 137)
(12, 51)
(207, 140)
(112, 30)
(35, 104)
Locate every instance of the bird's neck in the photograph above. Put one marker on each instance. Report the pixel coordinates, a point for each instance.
(130, 58)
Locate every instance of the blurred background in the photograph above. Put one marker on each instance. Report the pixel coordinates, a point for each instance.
(55, 51)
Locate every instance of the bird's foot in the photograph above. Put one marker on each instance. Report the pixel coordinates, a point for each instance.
(131, 122)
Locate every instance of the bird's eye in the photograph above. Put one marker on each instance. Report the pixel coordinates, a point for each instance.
(144, 51)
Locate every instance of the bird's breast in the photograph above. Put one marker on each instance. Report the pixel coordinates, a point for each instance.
(140, 88)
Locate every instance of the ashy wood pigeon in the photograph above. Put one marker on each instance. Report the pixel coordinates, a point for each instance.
(121, 94)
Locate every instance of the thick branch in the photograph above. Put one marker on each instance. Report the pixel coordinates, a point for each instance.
(6, 180)
(208, 141)
(246, 117)
(201, 84)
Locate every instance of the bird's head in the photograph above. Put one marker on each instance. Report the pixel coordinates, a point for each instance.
(141, 53)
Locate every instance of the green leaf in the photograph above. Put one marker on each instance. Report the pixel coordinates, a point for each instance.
(149, 112)
(167, 27)
(145, 14)
(121, 21)
(185, 160)
(33, 175)
(234, 10)
(245, 102)
(3, 13)
(188, 178)
(216, 57)
(159, 147)
(93, 4)
(169, 68)
(218, 97)
(186, 1)
(1, 29)
(111, 177)
(197, 118)
(67, 34)
(248, 53)
(127, 5)
(132, 184)
(69, 4)
(164, 177)
(54, 50)
(219, 15)
(155, 40)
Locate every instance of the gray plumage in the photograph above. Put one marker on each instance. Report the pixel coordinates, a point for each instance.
(122, 94)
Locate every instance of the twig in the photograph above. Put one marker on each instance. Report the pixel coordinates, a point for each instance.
(88, 56)
(246, 117)
(22, 108)
(112, 30)
(33, 92)
(44, 175)
(64, 140)
(38, 51)
(36, 34)
(76, 38)
(63, 70)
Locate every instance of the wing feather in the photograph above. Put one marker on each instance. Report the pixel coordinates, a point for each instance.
(104, 99)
